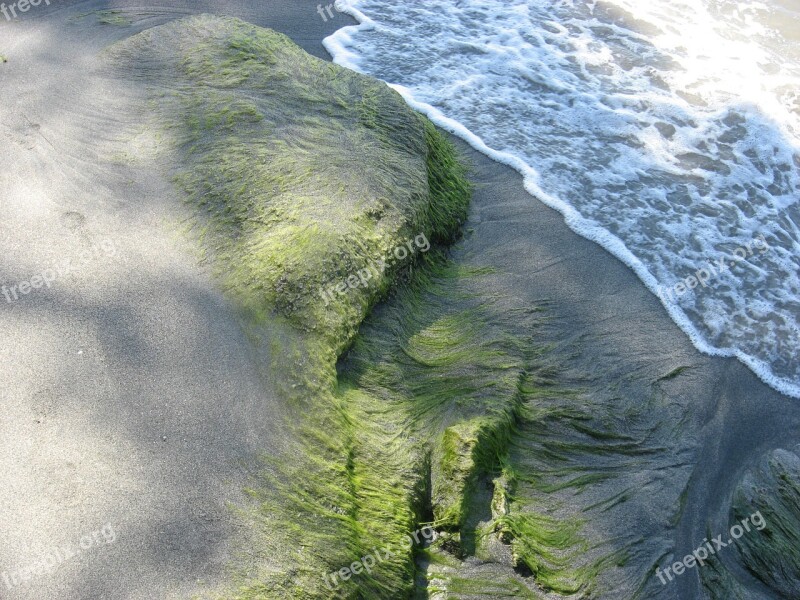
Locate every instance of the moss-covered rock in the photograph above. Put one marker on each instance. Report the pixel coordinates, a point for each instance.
(768, 499)
(305, 175)
(313, 188)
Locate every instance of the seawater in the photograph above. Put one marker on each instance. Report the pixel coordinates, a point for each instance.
(668, 131)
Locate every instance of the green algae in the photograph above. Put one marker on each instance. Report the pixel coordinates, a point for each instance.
(302, 174)
(417, 398)
(773, 555)
(472, 587)
(276, 147)
(113, 17)
(719, 583)
(398, 472)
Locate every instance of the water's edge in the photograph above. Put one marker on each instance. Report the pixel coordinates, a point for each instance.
(337, 46)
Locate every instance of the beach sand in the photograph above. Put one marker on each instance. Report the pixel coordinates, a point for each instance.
(131, 397)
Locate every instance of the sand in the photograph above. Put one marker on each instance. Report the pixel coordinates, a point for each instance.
(131, 398)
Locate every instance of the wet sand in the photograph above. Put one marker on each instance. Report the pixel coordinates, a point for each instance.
(609, 329)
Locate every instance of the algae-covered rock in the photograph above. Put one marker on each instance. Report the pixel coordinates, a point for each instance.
(768, 497)
(450, 362)
(467, 450)
(312, 182)
(313, 189)
(773, 490)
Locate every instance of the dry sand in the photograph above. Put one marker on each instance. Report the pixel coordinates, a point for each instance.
(130, 396)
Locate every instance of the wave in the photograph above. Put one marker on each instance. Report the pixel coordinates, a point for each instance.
(634, 126)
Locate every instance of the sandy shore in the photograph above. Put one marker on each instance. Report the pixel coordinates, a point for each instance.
(131, 399)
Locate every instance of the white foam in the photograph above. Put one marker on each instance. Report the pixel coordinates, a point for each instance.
(644, 143)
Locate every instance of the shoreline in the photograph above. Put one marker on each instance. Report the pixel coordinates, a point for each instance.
(740, 418)
(336, 47)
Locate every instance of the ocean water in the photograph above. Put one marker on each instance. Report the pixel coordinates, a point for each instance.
(668, 131)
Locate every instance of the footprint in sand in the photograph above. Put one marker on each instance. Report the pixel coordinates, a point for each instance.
(73, 220)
